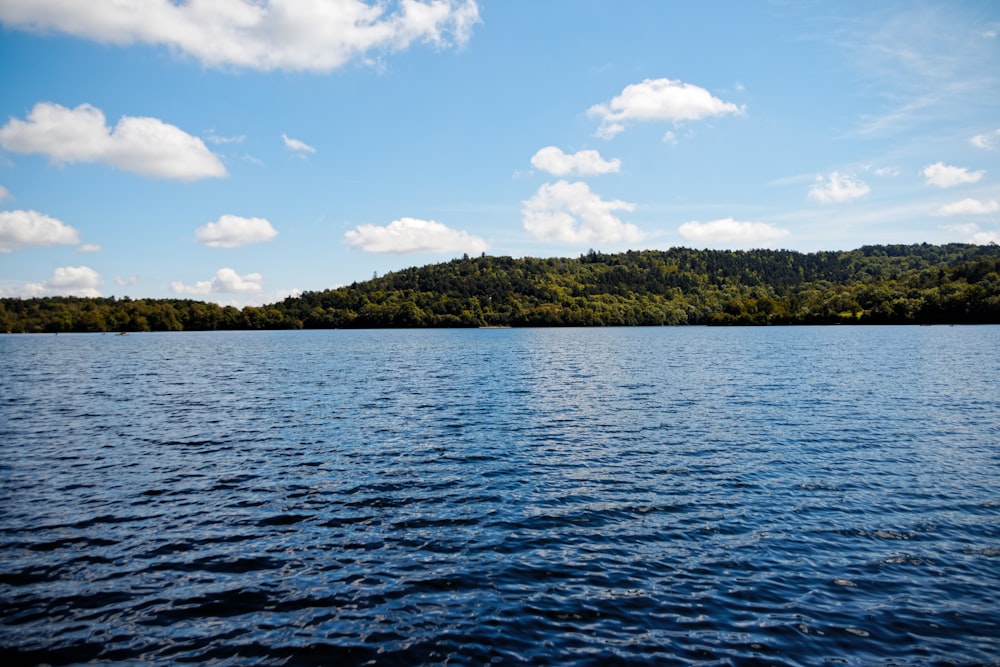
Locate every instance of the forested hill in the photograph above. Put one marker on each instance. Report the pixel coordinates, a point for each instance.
(896, 284)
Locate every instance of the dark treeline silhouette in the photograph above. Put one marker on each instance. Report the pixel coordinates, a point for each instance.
(886, 284)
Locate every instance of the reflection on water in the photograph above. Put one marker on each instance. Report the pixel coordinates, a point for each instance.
(582, 496)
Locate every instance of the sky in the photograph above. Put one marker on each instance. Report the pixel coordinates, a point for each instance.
(241, 151)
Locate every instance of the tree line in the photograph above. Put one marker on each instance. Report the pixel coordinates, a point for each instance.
(884, 284)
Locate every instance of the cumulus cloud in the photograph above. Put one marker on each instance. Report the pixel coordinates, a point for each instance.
(226, 281)
(256, 34)
(146, 146)
(969, 207)
(297, 146)
(731, 231)
(658, 99)
(410, 235)
(22, 229)
(838, 188)
(946, 176)
(232, 231)
(582, 163)
(987, 141)
(67, 281)
(571, 213)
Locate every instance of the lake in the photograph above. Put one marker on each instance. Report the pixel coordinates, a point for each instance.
(667, 496)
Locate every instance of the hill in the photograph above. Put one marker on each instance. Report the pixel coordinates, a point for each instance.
(886, 284)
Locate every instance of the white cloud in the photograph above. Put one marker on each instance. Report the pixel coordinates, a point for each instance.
(232, 231)
(410, 235)
(5, 194)
(67, 281)
(88, 248)
(255, 34)
(296, 145)
(21, 229)
(225, 281)
(732, 231)
(946, 176)
(986, 141)
(969, 207)
(974, 234)
(145, 146)
(571, 213)
(658, 99)
(986, 238)
(838, 188)
(582, 163)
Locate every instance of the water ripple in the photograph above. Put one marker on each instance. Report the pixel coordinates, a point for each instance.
(590, 497)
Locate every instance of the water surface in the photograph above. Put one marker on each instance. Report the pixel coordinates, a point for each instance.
(786, 496)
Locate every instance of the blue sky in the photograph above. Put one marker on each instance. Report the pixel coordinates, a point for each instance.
(239, 151)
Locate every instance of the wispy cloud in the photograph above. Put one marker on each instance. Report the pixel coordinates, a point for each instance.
(925, 61)
(297, 146)
(213, 138)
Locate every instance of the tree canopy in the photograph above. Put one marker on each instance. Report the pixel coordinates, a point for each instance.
(884, 284)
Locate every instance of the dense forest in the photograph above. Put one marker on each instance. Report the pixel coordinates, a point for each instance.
(888, 284)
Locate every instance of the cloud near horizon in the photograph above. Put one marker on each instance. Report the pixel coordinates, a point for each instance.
(146, 146)
(80, 281)
(570, 213)
(730, 231)
(255, 34)
(969, 206)
(974, 234)
(838, 188)
(947, 176)
(582, 163)
(658, 99)
(23, 229)
(411, 235)
(233, 231)
(226, 281)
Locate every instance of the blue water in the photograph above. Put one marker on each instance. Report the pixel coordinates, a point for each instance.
(675, 496)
